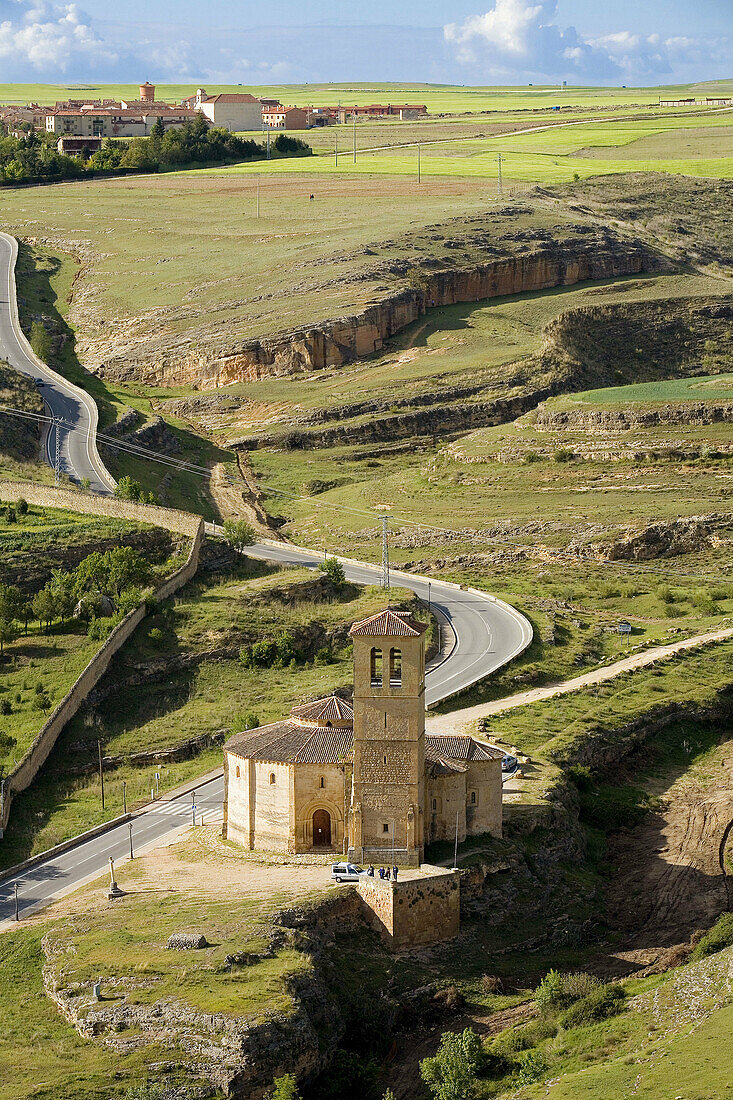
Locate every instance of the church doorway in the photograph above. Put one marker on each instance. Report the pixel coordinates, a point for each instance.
(322, 829)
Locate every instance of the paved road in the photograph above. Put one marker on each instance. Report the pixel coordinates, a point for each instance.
(39, 885)
(78, 450)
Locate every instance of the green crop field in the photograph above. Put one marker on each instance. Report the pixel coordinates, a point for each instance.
(437, 98)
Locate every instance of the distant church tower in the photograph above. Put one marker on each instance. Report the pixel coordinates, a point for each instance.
(388, 786)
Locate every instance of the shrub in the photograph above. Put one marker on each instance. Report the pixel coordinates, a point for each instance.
(21, 506)
(452, 1073)
(155, 636)
(5, 707)
(238, 533)
(334, 570)
(718, 937)
(285, 1088)
(598, 1005)
(579, 984)
(563, 454)
(532, 1067)
(550, 993)
(492, 983)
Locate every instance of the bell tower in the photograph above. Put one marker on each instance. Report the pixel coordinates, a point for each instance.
(388, 784)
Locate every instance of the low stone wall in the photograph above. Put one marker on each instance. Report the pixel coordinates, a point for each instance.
(46, 496)
(25, 772)
(414, 911)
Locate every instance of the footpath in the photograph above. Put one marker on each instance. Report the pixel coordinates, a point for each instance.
(457, 720)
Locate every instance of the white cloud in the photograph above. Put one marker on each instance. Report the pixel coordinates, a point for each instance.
(49, 38)
(520, 39)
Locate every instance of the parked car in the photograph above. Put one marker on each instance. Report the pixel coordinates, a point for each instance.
(508, 762)
(345, 872)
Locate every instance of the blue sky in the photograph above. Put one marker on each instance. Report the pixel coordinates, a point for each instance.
(292, 41)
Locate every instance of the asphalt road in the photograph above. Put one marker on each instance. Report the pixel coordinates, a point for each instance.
(77, 448)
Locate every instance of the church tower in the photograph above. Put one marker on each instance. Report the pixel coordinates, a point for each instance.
(388, 785)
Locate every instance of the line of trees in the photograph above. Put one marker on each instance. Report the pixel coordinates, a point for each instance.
(102, 585)
(35, 156)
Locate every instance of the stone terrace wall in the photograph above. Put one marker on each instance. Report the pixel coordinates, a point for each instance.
(46, 496)
(413, 912)
(25, 772)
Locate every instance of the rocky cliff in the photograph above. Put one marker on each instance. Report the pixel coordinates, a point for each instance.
(592, 253)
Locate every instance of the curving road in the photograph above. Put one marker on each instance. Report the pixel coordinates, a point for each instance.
(78, 455)
(480, 632)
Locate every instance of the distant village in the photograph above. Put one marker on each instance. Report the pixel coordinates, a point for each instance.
(84, 124)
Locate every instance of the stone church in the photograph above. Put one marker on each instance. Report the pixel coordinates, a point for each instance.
(364, 779)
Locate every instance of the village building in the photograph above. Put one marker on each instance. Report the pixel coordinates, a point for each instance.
(286, 118)
(78, 146)
(363, 779)
(234, 111)
(122, 120)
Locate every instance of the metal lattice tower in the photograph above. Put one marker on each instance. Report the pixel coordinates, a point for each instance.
(385, 554)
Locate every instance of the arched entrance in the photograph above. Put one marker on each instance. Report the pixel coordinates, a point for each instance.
(322, 829)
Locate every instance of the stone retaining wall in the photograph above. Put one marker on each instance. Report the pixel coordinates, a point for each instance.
(415, 911)
(46, 496)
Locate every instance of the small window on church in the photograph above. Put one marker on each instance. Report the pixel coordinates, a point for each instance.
(376, 663)
(237, 771)
(395, 668)
(385, 759)
(272, 777)
(435, 803)
(473, 798)
(323, 782)
(385, 828)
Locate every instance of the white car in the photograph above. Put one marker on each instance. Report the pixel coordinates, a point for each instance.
(345, 872)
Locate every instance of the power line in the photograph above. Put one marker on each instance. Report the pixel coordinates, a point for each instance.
(205, 472)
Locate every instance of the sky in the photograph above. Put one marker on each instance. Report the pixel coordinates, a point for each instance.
(480, 42)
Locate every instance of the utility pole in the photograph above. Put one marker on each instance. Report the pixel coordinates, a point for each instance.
(57, 457)
(385, 553)
(124, 798)
(258, 196)
(268, 142)
(193, 807)
(418, 162)
(354, 135)
(336, 149)
(498, 189)
(101, 770)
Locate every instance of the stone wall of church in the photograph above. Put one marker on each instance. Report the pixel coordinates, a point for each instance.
(320, 787)
(446, 798)
(484, 782)
(260, 812)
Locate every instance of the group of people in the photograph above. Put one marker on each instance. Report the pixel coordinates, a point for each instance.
(384, 872)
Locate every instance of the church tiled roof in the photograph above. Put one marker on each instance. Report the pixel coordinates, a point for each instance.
(441, 747)
(292, 743)
(330, 709)
(388, 624)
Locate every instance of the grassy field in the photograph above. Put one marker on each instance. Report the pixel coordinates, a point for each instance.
(437, 98)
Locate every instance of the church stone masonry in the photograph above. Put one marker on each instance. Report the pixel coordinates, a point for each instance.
(365, 780)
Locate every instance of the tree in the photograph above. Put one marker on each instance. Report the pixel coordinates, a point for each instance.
(129, 489)
(91, 574)
(158, 129)
(125, 567)
(63, 590)
(44, 607)
(7, 633)
(334, 570)
(11, 602)
(285, 1088)
(238, 533)
(453, 1073)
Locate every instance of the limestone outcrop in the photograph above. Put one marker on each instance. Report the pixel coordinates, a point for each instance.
(592, 254)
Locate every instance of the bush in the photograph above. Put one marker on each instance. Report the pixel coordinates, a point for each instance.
(563, 454)
(452, 1074)
(532, 1067)
(718, 937)
(492, 983)
(579, 985)
(285, 1088)
(21, 506)
(334, 570)
(155, 636)
(5, 707)
(598, 1005)
(550, 993)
